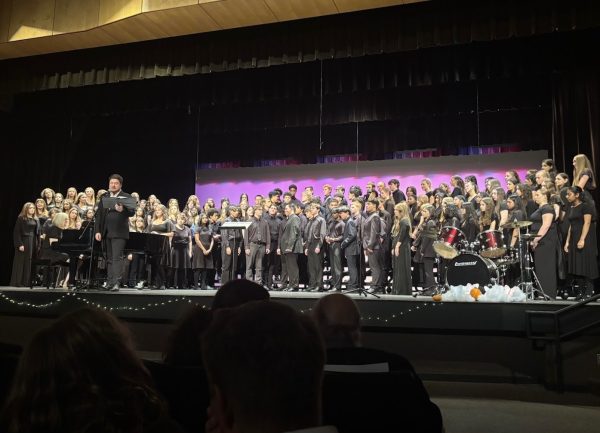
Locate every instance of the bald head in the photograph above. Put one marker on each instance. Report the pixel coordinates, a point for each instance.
(338, 320)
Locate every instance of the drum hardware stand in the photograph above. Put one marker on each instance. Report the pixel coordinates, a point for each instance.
(527, 283)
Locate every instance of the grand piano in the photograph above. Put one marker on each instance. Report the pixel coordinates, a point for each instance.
(77, 243)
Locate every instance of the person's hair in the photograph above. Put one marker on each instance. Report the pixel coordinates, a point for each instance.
(356, 191)
(471, 178)
(451, 211)
(500, 196)
(338, 320)
(525, 192)
(519, 205)
(43, 193)
(59, 219)
(429, 208)
(486, 215)
(426, 180)
(72, 224)
(531, 178)
(404, 215)
(81, 374)
(394, 181)
(549, 163)
(470, 212)
(164, 213)
(374, 202)
(577, 190)
(515, 175)
(293, 185)
(564, 176)
(474, 187)
(117, 177)
(266, 360)
(184, 345)
(492, 184)
(23, 213)
(459, 182)
(237, 292)
(412, 189)
(544, 193)
(79, 197)
(211, 212)
(581, 163)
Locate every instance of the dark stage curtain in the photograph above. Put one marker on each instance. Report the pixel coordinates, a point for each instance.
(394, 29)
(537, 92)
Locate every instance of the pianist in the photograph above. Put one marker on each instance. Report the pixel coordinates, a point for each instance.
(112, 228)
(52, 233)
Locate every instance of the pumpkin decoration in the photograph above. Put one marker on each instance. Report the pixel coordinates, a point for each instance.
(475, 293)
(437, 297)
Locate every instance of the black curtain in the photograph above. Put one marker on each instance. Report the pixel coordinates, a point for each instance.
(537, 92)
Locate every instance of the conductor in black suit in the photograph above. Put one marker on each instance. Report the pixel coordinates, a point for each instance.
(112, 227)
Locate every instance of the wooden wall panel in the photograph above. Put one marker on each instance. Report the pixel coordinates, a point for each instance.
(76, 15)
(31, 19)
(239, 13)
(114, 10)
(286, 10)
(5, 12)
(158, 5)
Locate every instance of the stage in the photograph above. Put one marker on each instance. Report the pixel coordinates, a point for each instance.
(388, 313)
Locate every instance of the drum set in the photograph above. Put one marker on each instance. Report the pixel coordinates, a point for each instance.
(487, 260)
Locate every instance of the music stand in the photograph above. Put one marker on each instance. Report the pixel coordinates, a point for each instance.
(235, 226)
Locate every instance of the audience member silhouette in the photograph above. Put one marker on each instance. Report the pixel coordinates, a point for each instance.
(81, 374)
(264, 363)
(384, 385)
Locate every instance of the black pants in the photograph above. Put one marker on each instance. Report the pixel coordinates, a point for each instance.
(114, 260)
(353, 264)
(273, 264)
(335, 259)
(227, 272)
(136, 269)
(289, 270)
(315, 269)
(376, 266)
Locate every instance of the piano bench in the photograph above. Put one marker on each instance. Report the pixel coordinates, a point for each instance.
(49, 272)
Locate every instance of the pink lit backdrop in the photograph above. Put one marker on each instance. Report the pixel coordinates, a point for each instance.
(230, 183)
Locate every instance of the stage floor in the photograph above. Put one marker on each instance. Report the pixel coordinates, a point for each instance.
(388, 313)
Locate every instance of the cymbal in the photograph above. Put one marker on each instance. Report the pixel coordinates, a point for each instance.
(517, 224)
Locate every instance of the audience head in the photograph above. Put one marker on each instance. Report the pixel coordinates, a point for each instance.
(338, 320)
(264, 363)
(237, 292)
(184, 346)
(81, 374)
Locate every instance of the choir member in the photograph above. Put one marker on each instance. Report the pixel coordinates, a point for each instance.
(371, 241)
(41, 213)
(257, 243)
(423, 245)
(500, 208)
(90, 196)
(25, 236)
(71, 194)
(524, 191)
(74, 220)
(135, 277)
(548, 167)
(48, 196)
(160, 225)
(580, 245)
(546, 245)
(202, 257)
(231, 247)
(458, 186)
(181, 252)
(350, 247)
(290, 244)
(488, 219)
(470, 223)
(58, 201)
(315, 235)
(583, 177)
(401, 257)
(334, 241)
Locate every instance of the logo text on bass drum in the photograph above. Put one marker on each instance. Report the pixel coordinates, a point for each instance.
(465, 264)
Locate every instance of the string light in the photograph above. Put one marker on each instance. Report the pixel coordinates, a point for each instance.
(96, 304)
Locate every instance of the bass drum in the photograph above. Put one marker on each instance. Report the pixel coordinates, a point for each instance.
(469, 268)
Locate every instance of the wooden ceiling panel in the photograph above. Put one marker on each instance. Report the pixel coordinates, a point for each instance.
(357, 5)
(239, 13)
(75, 15)
(27, 25)
(182, 21)
(5, 13)
(159, 5)
(298, 9)
(31, 19)
(114, 10)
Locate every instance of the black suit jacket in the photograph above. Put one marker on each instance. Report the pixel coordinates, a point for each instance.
(113, 224)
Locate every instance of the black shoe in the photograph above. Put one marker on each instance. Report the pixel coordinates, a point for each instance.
(333, 289)
(294, 289)
(115, 288)
(317, 289)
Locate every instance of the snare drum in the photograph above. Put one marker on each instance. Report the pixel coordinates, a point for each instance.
(492, 244)
(450, 242)
(469, 268)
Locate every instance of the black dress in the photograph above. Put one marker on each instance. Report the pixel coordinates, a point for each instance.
(162, 228)
(582, 262)
(546, 253)
(199, 260)
(587, 192)
(180, 248)
(25, 234)
(402, 283)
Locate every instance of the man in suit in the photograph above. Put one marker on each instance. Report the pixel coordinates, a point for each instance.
(290, 245)
(112, 228)
(371, 231)
(334, 240)
(313, 248)
(350, 247)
